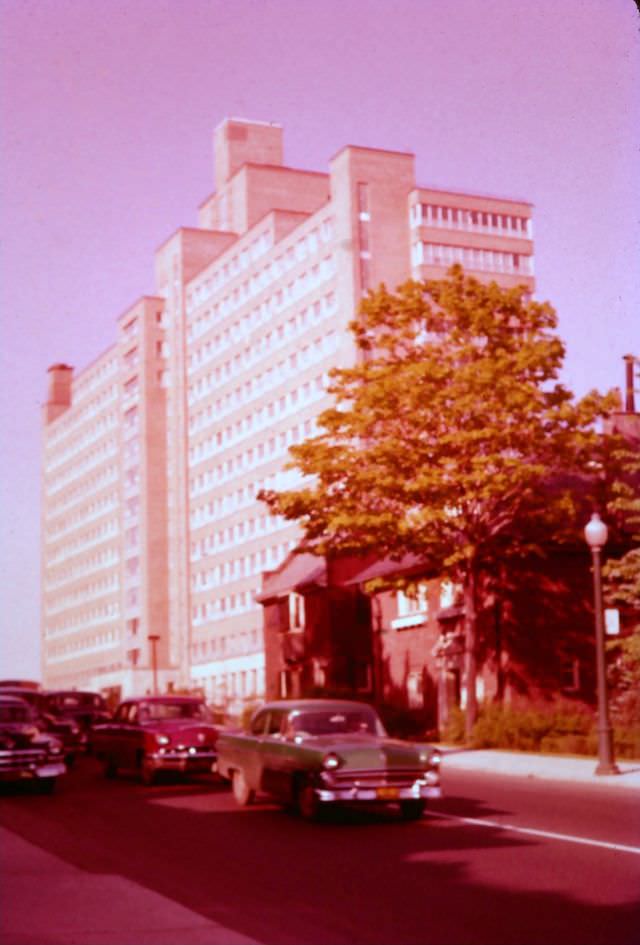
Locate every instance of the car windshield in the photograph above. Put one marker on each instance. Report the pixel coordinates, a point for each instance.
(78, 700)
(15, 713)
(329, 722)
(169, 711)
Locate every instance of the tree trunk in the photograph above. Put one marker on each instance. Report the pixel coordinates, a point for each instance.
(470, 665)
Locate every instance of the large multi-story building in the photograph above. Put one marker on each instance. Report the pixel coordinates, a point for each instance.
(153, 542)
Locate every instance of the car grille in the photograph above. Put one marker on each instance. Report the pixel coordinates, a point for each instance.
(376, 777)
(21, 758)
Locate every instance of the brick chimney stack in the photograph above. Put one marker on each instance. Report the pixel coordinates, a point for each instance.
(58, 391)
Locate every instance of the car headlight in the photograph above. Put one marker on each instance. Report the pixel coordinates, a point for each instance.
(162, 739)
(55, 749)
(435, 758)
(331, 761)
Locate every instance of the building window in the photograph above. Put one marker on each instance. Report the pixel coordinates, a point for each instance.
(412, 606)
(296, 612)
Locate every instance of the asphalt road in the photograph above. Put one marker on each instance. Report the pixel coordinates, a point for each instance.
(497, 860)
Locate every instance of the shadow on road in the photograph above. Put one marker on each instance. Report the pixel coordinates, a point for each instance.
(282, 881)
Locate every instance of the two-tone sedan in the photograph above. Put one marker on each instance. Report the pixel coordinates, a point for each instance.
(313, 753)
(157, 734)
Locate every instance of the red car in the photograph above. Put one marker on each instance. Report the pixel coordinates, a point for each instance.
(155, 734)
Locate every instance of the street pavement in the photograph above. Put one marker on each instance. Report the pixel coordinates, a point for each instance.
(47, 901)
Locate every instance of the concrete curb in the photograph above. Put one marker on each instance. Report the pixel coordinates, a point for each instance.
(544, 767)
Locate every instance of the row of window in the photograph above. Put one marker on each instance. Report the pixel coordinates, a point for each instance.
(223, 505)
(89, 539)
(82, 490)
(223, 274)
(105, 613)
(83, 438)
(247, 565)
(70, 421)
(72, 649)
(61, 575)
(83, 595)
(233, 644)
(254, 422)
(244, 684)
(487, 260)
(479, 221)
(275, 337)
(95, 457)
(247, 360)
(282, 297)
(83, 516)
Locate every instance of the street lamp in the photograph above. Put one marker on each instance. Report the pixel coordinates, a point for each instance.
(153, 640)
(595, 534)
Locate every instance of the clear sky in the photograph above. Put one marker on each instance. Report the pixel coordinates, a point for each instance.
(107, 111)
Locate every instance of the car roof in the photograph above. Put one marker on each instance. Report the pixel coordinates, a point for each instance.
(13, 700)
(296, 704)
(24, 695)
(72, 692)
(167, 698)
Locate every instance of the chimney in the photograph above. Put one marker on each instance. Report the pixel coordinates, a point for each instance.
(629, 400)
(238, 141)
(58, 391)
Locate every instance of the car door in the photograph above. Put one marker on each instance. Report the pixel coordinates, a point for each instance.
(123, 735)
(277, 756)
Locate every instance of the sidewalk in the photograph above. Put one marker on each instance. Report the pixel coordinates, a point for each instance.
(544, 767)
(45, 901)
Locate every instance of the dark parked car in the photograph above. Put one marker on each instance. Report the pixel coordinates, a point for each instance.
(85, 708)
(26, 752)
(312, 753)
(155, 734)
(67, 730)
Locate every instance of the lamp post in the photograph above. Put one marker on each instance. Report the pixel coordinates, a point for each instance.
(595, 534)
(153, 640)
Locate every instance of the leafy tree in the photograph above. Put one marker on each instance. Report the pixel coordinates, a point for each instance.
(622, 585)
(443, 435)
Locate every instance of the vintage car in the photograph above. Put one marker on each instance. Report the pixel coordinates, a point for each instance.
(67, 730)
(26, 752)
(84, 708)
(313, 753)
(157, 734)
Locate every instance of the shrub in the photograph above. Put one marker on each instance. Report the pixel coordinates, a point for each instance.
(563, 728)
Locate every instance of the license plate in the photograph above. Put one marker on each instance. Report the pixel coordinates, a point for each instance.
(387, 793)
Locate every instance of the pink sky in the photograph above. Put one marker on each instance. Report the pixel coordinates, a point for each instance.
(106, 117)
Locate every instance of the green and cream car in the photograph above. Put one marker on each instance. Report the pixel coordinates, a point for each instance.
(315, 752)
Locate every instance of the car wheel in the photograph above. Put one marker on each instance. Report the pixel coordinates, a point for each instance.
(46, 785)
(411, 810)
(307, 801)
(242, 793)
(148, 774)
(109, 767)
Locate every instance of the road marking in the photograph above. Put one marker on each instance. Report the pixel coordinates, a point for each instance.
(549, 835)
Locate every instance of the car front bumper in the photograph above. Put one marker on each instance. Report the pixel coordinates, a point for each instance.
(197, 762)
(378, 794)
(30, 772)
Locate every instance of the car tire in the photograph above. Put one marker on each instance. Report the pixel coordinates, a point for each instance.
(109, 767)
(148, 774)
(307, 801)
(46, 785)
(411, 810)
(242, 793)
